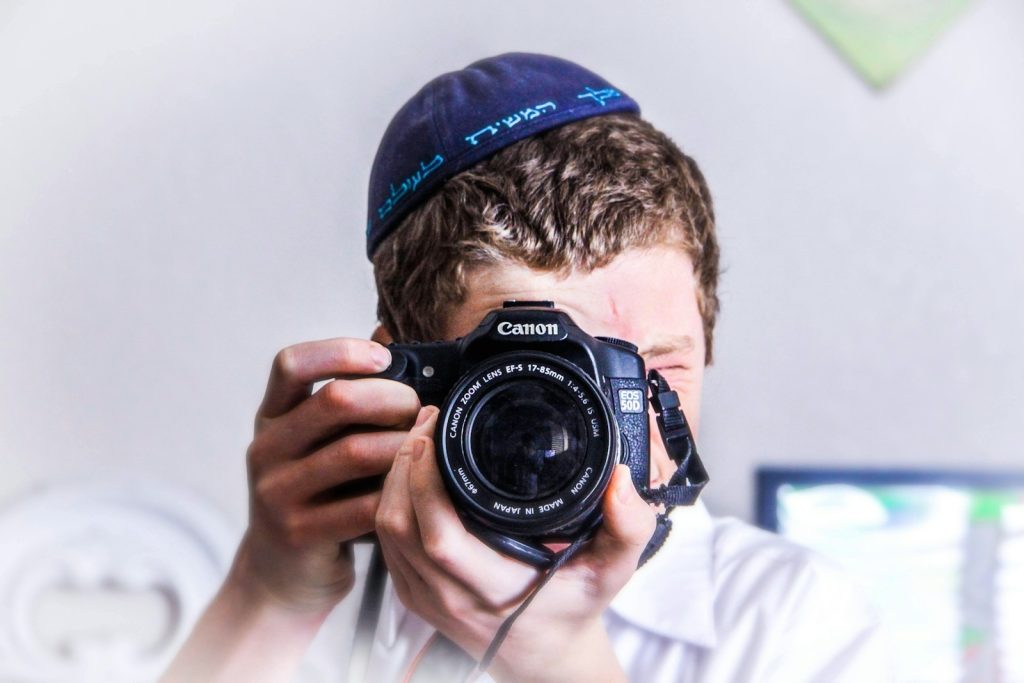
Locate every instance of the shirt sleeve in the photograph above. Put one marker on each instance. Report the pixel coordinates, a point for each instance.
(786, 614)
(827, 630)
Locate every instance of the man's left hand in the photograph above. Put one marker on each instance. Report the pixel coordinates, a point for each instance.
(466, 589)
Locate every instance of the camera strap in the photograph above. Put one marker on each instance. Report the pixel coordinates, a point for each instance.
(690, 477)
(683, 488)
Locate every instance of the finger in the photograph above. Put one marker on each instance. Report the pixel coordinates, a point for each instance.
(628, 525)
(396, 527)
(397, 523)
(408, 585)
(394, 521)
(339, 404)
(296, 368)
(354, 456)
(494, 579)
(338, 521)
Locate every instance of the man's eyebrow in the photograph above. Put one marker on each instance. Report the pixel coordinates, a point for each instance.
(667, 345)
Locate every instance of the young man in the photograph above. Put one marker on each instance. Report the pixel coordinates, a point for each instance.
(520, 177)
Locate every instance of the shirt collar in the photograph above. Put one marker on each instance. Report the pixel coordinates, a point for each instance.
(673, 593)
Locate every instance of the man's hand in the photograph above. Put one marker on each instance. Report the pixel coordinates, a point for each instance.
(466, 589)
(307, 449)
(309, 457)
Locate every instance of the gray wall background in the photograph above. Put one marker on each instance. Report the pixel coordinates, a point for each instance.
(182, 192)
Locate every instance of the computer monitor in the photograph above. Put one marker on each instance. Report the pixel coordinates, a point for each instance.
(941, 553)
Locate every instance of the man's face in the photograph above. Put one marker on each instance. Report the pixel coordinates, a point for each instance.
(645, 296)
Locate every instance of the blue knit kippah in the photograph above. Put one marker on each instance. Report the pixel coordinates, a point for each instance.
(463, 117)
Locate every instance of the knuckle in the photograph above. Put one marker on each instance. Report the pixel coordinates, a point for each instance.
(255, 455)
(392, 523)
(336, 395)
(269, 491)
(440, 551)
(296, 530)
(396, 526)
(286, 362)
(264, 490)
(354, 452)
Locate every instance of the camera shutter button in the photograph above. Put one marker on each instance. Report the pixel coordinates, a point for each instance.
(619, 342)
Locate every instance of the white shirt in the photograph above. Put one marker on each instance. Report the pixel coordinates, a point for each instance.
(721, 601)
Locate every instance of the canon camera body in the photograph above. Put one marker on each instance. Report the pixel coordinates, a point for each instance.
(534, 416)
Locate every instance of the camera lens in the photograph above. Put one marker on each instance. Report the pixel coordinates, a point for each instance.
(528, 439)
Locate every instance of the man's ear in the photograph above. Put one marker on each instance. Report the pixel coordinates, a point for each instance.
(381, 335)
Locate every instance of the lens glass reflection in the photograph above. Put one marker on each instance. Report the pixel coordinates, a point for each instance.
(528, 439)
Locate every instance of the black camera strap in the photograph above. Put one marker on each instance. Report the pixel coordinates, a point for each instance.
(683, 488)
(690, 477)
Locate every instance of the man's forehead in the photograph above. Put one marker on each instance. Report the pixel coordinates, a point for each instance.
(647, 297)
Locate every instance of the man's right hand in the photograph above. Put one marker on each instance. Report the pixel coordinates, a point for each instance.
(307, 448)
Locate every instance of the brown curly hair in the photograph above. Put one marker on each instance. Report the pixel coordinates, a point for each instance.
(568, 199)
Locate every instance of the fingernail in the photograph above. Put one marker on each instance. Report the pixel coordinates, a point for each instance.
(624, 487)
(381, 356)
(405, 449)
(418, 446)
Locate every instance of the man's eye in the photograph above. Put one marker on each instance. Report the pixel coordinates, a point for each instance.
(677, 376)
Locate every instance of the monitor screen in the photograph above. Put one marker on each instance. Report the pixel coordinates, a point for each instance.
(940, 553)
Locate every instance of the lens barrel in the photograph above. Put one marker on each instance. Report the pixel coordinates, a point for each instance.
(527, 444)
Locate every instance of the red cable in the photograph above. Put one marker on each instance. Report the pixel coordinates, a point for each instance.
(409, 672)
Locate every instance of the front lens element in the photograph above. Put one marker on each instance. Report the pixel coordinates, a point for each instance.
(528, 439)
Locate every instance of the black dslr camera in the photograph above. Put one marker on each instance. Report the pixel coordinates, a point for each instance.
(534, 416)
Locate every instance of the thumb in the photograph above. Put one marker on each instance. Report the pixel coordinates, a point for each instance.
(629, 523)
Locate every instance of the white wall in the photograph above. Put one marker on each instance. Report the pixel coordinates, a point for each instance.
(182, 192)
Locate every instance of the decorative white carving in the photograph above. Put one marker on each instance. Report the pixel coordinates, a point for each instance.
(102, 581)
